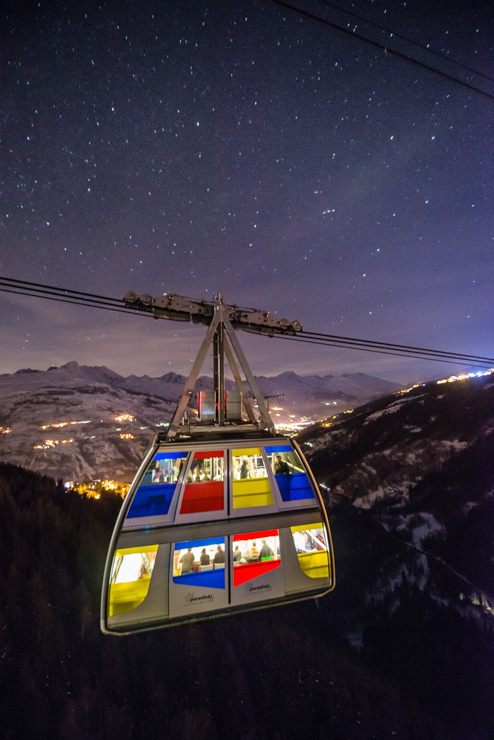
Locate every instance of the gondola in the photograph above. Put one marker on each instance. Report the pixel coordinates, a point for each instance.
(223, 515)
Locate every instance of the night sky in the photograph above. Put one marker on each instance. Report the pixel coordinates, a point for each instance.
(203, 146)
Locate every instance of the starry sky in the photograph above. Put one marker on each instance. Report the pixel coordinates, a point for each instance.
(204, 146)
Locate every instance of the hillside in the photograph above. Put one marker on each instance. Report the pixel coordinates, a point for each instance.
(409, 485)
(421, 465)
(77, 422)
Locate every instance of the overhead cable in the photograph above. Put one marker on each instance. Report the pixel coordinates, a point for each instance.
(396, 35)
(390, 352)
(383, 47)
(75, 302)
(383, 345)
(92, 300)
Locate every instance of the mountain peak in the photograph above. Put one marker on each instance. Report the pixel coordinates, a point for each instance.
(71, 366)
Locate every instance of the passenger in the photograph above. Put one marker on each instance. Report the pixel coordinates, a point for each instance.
(266, 551)
(244, 470)
(280, 466)
(204, 558)
(251, 555)
(219, 556)
(158, 476)
(237, 555)
(187, 561)
(199, 474)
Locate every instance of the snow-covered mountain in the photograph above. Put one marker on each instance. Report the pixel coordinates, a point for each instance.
(98, 438)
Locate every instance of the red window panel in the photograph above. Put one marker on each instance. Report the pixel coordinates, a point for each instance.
(255, 535)
(205, 454)
(249, 571)
(202, 496)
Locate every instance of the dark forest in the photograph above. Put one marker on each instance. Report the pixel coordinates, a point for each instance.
(422, 671)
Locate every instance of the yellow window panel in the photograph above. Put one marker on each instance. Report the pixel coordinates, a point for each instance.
(250, 492)
(126, 596)
(247, 452)
(314, 564)
(135, 550)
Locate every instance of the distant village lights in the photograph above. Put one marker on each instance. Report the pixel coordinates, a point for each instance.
(64, 424)
(94, 489)
(454, 378)
(52, 443)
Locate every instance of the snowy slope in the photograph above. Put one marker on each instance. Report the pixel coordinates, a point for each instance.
(417, 471)
(95, 396)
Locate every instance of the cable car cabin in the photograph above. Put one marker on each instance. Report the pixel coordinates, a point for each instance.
(212, 526)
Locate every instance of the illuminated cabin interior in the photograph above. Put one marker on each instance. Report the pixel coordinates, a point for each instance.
(224, 518)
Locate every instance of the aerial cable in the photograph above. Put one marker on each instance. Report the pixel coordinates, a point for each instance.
(409, 41)
(76, 302)
(371, 342)
(409, 355)
(74, 297)
(49, 288)
(383, 47)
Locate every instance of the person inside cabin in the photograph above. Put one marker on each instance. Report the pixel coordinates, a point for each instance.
(266, 551)
(244, 470)
(237, 555)
(251, 555)
(158, 476)
(199, 476)
(187, 561)
(204, 558)
(176, 471)
(280, 466)
(219, 556)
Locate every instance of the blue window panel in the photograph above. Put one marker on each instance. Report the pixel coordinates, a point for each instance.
(301, 487)
(169, 455)
(200, 543)
(278, 448)
(294, 487)
(152, 500)
(206, 579)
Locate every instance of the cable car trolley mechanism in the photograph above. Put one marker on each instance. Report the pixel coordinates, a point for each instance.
(224, 514)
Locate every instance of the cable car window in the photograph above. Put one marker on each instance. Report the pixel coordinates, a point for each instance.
(289, 471)
(130, 578)
(155, 492)
(250, 480)
(200, 563)
(204, 490)
(254, 554)
(311, 545)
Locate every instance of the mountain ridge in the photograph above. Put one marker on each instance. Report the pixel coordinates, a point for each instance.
(104, 443)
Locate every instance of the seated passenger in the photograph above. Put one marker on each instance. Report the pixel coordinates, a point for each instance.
(219, 556)
(204, 558)
(251, 555)
(187, 562)
(237, 555)
(244, 470)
